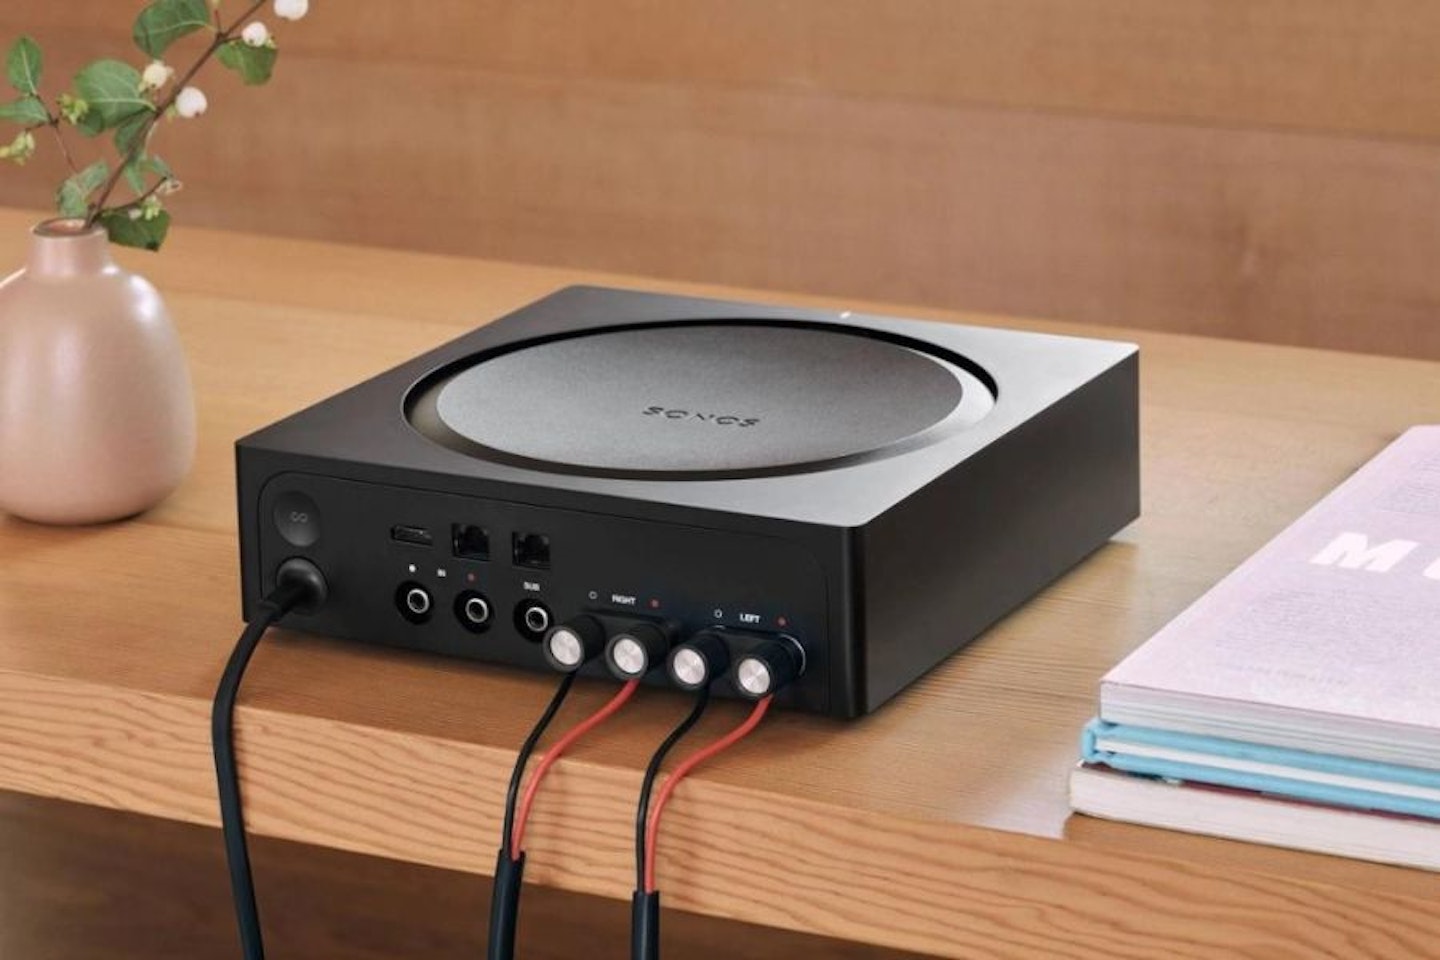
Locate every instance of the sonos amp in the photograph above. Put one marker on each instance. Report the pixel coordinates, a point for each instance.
(839, 501)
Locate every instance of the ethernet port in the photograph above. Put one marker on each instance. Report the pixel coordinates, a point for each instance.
(531, 550)
(470, 542)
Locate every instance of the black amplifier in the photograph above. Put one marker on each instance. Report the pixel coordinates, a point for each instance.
(841, 501)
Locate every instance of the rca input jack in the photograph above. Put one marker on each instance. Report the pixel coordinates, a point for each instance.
(473, 611)
(414, 602)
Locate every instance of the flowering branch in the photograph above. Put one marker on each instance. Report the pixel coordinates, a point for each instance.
(54, 124)
(142, 136)
(157, 187)
(113, 96)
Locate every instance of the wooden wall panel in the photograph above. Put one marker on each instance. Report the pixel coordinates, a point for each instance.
(1356, 65)
(1265, 169)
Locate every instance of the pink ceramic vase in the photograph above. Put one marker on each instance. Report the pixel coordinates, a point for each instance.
(97, 419)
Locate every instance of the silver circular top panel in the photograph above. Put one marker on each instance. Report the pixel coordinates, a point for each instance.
(700, 400)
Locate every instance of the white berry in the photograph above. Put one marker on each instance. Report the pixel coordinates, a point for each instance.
(256, 34)
(156, 75)
(291, 9)
(191, 103)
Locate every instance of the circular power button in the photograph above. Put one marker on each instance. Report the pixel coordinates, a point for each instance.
(297, 518)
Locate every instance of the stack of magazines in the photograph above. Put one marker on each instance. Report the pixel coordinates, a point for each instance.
(1298, 702)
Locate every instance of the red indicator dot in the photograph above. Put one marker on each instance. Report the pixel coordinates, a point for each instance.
(782, 621)
(654, 604)
(469, 578)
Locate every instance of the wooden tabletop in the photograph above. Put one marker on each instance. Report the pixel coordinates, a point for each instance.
(937, 825)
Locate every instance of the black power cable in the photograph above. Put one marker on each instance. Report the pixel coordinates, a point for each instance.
(299, 585)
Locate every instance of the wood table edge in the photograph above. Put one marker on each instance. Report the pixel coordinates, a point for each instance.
(946, 889)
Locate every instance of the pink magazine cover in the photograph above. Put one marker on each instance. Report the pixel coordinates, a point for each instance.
(1339, 614)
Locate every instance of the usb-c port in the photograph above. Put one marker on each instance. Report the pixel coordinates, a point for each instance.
(418, 536)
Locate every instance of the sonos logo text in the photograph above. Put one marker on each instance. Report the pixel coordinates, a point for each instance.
(719, 419)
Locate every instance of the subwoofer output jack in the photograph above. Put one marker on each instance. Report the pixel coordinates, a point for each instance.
(533, 620)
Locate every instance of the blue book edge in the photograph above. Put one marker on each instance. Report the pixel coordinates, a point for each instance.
(1329, 794)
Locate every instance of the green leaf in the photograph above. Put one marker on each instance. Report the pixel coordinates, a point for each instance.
(73, 198)
(27, 111)
(91, 123)
(127, 134)
(141, 167)
(23, 65)
(145, 233)
(112, 89)
(135, 176)
(165, 21)
(254, 64)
